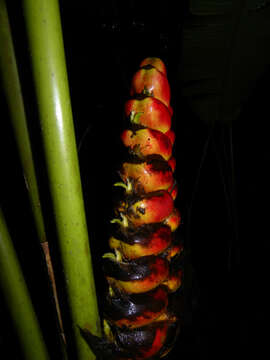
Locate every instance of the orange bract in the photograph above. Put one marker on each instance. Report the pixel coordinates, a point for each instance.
(147, 176)
(149, 244)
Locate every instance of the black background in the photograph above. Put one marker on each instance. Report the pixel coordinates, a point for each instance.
(226, 266)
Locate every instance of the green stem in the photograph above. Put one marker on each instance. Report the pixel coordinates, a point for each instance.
(44, 32)
(16, 294)
(11, 85)
(14, 99)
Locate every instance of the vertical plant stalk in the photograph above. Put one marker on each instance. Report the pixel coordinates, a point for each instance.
(18, 300)
(13, 93)
(44, 32)
(11, 84)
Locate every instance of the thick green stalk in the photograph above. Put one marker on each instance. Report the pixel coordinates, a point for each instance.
(49, 69)
(12, 89)
(15, 292)
(11, 85)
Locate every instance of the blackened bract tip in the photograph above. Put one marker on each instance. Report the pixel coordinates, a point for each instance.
(148, 67)
(103, 348)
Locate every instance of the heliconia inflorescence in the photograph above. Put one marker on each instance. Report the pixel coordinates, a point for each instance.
(144, 267)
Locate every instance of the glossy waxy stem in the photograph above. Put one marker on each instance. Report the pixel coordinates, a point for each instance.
(15, 292)
(14, 99)
(44, 33)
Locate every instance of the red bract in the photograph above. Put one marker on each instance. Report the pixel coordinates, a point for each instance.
(151, 82)
(149, 112)
(173, 190)
(145, 142)
(173, 220)
(172, 163)
(171, 136)
(155, 62)
(154, 208)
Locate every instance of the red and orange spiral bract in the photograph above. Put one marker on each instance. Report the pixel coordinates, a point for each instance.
(144, 268)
